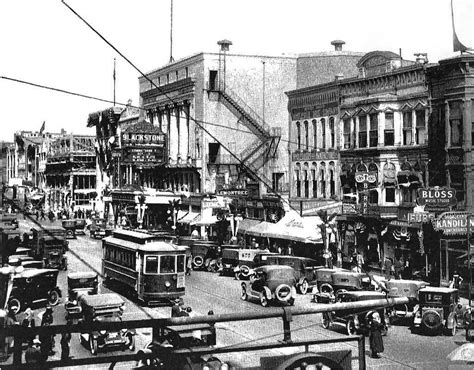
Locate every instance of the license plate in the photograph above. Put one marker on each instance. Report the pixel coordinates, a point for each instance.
(180, 281)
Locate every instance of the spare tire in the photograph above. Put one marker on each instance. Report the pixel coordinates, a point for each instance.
(244, 271)
(283, 292)
(198, 261)
(431, 320)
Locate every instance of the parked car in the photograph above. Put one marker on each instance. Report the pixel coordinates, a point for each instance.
(324, 279)
(182, 336)
(305, 268)
(33, 286)
(79, 283)
(80, 226)
(239, 261)
(104, 308)
(344, 280)
(403, 288)
(355, 321)
(436, 311)
(70, 227)
(271, 283)
(204, 255)
(10, 242)
(25, 261)
(49, 245)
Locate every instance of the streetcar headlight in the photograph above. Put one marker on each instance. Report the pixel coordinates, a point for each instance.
(167, 284)
(205, 367)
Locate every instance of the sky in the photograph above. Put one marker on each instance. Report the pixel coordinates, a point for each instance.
(43, 42)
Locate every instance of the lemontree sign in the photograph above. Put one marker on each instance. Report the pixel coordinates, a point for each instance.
(437, 198)
(452, 223)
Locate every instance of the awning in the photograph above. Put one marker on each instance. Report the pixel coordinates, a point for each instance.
(260, 229)
(204, 220)
(188, 217)
(246, 224)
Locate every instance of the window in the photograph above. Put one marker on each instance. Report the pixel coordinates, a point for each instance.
(186, 72)
(373, 196)
(389, 133)
(363, 132)
(323, 183)
(306, 130)
(180, 263)
(167, 78)
(407, 128)
(315, 183)
(332, 183)
(323, 133)
(298, 184)
(315, 134)
(347, 133)
(298, 134)
(167, 264)
(177, 76)
(151, 265)
(408, 195)
(390, 195)
(374, 131)
(212, 80)
(420, 130)
(306, 184)
(332, 132)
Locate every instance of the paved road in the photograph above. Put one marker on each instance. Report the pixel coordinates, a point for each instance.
(206, 291)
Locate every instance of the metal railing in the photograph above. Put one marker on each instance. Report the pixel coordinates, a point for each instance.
(286, 314)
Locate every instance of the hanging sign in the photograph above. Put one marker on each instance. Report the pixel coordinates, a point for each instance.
(452, 223)
(437, 198)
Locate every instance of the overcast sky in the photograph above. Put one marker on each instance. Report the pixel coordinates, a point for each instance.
(45, 43)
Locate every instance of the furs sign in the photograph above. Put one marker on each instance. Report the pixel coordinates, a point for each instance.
(436, 198)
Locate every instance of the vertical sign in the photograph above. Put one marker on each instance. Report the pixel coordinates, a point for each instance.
(366, 180)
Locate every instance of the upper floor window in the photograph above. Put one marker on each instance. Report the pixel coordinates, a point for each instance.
(389, 133)
(362, 131)
(306, 132)
(298, 135)
(374, 130)
(332, 132)
(420, 129)
(315, 134)
(323, 133)
(407, 128)
(177, 76)
(347, 133)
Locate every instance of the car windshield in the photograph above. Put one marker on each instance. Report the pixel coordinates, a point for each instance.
(82, 283)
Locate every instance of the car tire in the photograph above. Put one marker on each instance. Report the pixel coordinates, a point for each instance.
(244, 296)
(326, 321)
(279, 289)
(326, 288)
(198, 261)
(93, 345)
(263, 299)
(14, 304)
(53, 298)
(350, 327)
(244, 271)
(303, 287)
(130, 343)
(431, 320)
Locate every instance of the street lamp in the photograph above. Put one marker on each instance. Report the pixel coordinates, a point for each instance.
(141, 207)
(173, 212)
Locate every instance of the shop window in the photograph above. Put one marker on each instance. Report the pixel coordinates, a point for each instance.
(323, 133)
(374, 131)
(389, 133)
(347, 133)
(363, 132)
(332, 132)
(407, 128)
(389, 195)
(420, 130)
(306, 132)
(315, 134)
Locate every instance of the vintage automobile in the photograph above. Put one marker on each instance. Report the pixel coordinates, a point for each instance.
(53, 252)
(104, 308)
(354, 321)
(80, 226)
(34, 286)
(8, 220)
(98, 228)
(436, 311)
(403, 288)
(271, 283)
(324, 279)
(204, 255)
(70, 227)
(305, 268)
(343, 280)
(239, 261)
(79, 283)
(25, 261)
(10, 242)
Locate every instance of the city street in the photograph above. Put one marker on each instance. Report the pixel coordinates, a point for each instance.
(207, 291)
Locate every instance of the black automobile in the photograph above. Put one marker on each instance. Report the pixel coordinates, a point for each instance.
(436, 311)
(239, 261)
(104, 308)
(403, 288)
(354, 321)
(271, 283)
(34, 286)
(79, 283)
(204, 255)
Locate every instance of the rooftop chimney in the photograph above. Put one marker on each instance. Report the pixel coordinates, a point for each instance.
(224, 44)
(337, 44)
(421, 58)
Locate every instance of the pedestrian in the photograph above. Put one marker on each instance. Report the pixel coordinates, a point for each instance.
(195, 234)
(47, 340)
(456, 281)
(176, 308)
(65, 339)
(289, 249)
(398, 267)
(375, 334)
(189, 264)
(388, 267)
(33, 353)
(29, 322)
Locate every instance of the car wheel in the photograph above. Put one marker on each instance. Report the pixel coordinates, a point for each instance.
(198, 261)
(244, 296)
(350, 327)
(14, 305)
(53, 298)
(93, 344)
(326, 288)
(237, 275)
(244, 271)
(130, 343)
(326, 321)
(263, 300)
(303, 288)
(432, 321)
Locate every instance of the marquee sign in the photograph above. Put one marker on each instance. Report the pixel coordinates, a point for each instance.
(452, 223)
(436, 197)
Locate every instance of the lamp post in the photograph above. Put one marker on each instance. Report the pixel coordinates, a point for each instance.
(141, 207)
(173, 212)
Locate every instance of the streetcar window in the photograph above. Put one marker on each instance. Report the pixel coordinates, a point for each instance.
(167, 264)
(151, 266)
(181, 263)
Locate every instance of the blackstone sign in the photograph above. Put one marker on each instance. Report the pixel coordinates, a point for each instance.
(453, 223)
(436, 198)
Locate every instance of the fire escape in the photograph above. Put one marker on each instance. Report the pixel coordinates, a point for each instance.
(264, 147)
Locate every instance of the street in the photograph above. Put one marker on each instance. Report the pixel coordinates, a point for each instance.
(207, 291)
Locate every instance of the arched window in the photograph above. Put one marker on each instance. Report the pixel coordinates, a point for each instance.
(298, 135)
(332, 132)
(306, 132)
(315, 134)
(315, 182)
(323, 133)
(332, 183)
(306, 183)
(322, 179)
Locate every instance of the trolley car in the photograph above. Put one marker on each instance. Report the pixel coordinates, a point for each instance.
(150, 267)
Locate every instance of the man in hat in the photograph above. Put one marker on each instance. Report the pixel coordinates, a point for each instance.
(176, 309)
(33, 353)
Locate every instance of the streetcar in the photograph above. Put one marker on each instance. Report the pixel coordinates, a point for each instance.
(150, 267)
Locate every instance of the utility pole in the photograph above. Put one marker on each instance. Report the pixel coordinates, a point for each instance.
(171, 34)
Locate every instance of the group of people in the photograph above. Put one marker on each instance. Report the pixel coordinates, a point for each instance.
(38, 348)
